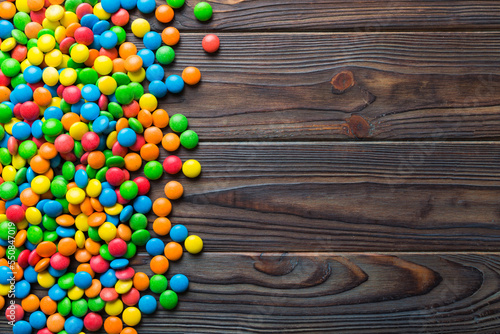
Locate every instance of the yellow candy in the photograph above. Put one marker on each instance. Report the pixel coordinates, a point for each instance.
(69, 18)
(64, 63)
(4, 289)
(148, 102)
(137, 76)
(111, 140)
(114, 210)
(22, 225)
(75, 293)
(94, 188)
(114, 308)
(8, 126)
(35, 56)
(8, 44)
(50, 76)
(75, 195)
(101, 13)
(3, 217)
(123, 286)
(107, 231)
(45, 279)
(103, 65)
(80, 53)
(22, 6)
(40, 184)
(80, 239)
(60, 34)
(140, 27)
(46, 43)
(25, 64)
(77, 130)
(9, 173)
(54, 13)
(131, 316)
(107, 85)
(18, 162)
(81, 222)
(33, 216)
(55, 102)
(68, 76)
(48, 24)
(54, 58)
(193, 244)
(191, 168)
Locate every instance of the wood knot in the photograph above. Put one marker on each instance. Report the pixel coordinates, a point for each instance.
(356, 127)
(342, 81)
(276, 266)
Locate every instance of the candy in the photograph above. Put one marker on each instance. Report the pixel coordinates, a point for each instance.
(210, 43)
(203, 11)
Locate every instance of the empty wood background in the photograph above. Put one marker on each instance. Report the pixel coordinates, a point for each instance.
(351, 171)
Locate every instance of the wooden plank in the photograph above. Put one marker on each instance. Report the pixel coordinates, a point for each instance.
(338, 15)
(386, 86)
(343, 197)
(329, 292)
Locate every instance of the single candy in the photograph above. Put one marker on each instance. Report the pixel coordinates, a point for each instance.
(210, 43)
(203, 11)
(147, 304)
(168, 299)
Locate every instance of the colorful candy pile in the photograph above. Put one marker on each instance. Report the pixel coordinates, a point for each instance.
(75, 123)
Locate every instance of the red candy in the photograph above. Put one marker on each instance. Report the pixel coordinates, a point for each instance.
(72, 94)
(22, 259)
(83, 9)
(125, 274)
(120, 18)
(12, 145)
(64, 143)
(115, 176)
(90, 141)
(143, 185)
(210, 43)
(131, 298)
(30, 111)
(108, 294)
(92, 322)
(34, 258)
(14, 313)
(84, 35)
(117, 247)
(15, 213)
(59, 261)
(4, 80)
(172, 164)
(65, 44)
(98, 264)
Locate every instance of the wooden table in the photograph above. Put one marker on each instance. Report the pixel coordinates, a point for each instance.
(351, 171)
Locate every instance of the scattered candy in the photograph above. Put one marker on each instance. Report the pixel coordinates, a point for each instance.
(79, 112)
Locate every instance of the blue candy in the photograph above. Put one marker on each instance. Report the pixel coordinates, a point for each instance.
(110, 6)
(5, 275)
(155, 246)
(147, 56)
(56, 293)
(73, 325)
(83, 280)
(146, 6)
(22, 289)
(5, 29)
(53, 208)
(174, 83)
(81, 178)
(119, 264)
(100, 27)
(32, 74)
(179, 283)
(22, 327)
(143, 204)
(52, 112)
(109, 39)
(90, 111)
(179, 233)
(100, 124)
(30, 274)
(89, 20)
(21, 131)
(155, 72)
(127, 137)
(126, 213)
(158, 88)
(152, 40)
(91, 93)
(128, 4)
(147, 304)
(38, 320)
(108, 279)
(108, 197)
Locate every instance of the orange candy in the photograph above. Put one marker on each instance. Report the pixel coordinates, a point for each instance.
(65, 220)
(94, 290)
(153, 135)
(31, 30)
(7, 10)
(35, 5)
(191, 75)
(162, 225)
(4, 93)
(92, 246)
(2, 302)
(42, 96)
(55, 323)
(31, 303)
(68, 120)
(47, 151)
(160, 118)
(46, 249)
(149, 152)
(133, 161)
(96, 159)
(96, 219)
(113, 325)
(119, 65)
(128, 330)
(39, 164)
(20, 238)
(164, 13)
(133, 63)
(67, 246)
(159, 264)
(145, 118)
(141, 281)
(121, 124)
(124, 232)
(174, 190)
(127, 49)
(170, 142)
(29, 198)
(173, 251)
(162, 207)
(48, 306)
(170, 36)
(93, 54)
(82, 255)
(42, 265)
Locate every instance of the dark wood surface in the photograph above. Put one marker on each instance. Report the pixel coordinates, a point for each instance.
(351, 170)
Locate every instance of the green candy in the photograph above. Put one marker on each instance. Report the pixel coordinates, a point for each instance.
(124, 94)
(91, 172)
(2, 132)
(66, 281)
(189, 139)
(32, 43)
(203, 11)
(18, 80)
(65, 106)
(19, 36)
(135, 125)
(50, 236)
(20, 177)
(141, 237)
(34, 234)
(165, 55)
(7, 229)
(137, 89)
(13, 256)
(58, 188)
(120, 33)
(115, 161)
(101, 174)
(115, 109)
(4, 56)
(68, 170)
(121, 78)
(104, 252)
(131, 250)
(8, 190)
(46, 31)
(65, 204)
(129, 190)
(70, 5)
(78, 149)
(5, 157)
(10, 67)
(88, 76)
(158, 283)
(27, 149)
(175, 3)
(178, 123)
(79, 308)
(20, 20)
(94, 234)
(153, 170)
(6, 113)
(96, 304)
(169, 299)
(52, 127)
(49, 223)
(138, 221)
(64, 306)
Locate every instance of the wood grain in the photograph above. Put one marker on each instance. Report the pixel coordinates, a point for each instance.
(330, 292)
(343, 196)
(338, 15)
(430, 86)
